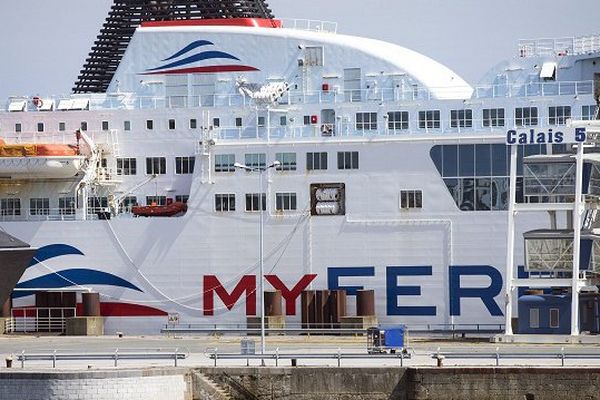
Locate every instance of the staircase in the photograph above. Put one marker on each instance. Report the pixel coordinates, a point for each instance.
(207, 389)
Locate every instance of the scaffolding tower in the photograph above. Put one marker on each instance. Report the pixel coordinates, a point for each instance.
(554, 256)
(126, 15)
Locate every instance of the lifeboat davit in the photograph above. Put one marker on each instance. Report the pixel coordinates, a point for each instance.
(39, 161)
(169, 210)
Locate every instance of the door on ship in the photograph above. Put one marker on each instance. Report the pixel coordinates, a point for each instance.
(597, 92)
(328, 122)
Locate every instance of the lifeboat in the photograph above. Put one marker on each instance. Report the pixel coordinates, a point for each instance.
(169, 210)
(39, 161)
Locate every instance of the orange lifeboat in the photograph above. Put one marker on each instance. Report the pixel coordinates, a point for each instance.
(37, 150)
(169, 210)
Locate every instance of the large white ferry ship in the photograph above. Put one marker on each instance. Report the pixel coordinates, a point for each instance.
(390, 172)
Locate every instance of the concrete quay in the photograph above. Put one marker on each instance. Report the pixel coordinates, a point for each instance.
(304, 383)
(197, 378)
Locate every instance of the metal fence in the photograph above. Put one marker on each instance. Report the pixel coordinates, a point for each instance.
(496, 356)
(330, 329)
(115, 356)
(38, 319)
(338, 356)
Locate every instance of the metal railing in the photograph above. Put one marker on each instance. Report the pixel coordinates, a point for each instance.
(330, 329)
(309, 25)
(115, 356)
(214, 355)
(496, 356)
(337, 95)
(559, 46)
(39, 319)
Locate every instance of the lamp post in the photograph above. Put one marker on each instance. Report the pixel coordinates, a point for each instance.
(261, 263)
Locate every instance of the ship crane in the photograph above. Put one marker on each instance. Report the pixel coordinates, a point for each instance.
(115, 202)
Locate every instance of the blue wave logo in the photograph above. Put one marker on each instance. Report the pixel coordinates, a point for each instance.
(69, 277)
(184, 65)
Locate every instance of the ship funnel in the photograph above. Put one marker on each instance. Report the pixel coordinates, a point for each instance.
(126, 15)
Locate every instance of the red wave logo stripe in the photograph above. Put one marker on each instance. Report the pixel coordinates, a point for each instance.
(205, 70)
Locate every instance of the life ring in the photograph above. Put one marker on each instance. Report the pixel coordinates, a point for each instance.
(37, 101)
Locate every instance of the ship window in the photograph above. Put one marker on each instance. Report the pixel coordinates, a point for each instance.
(461, 118)
(184, 165)
(40, 127)
(316, 161)
(217, 122)
(18, 127)
(283, 120)
(182, 198)
(554, 318)
(97, 204)
(156, 165)
(224, 202)
(126, 166)
(84, 126)
(347, 159)
(10, 206)
(477, 175)
(366, 121)
(104, 125)
(256, 160)
(307, 120)
(588, 112)
(429, 119)
(62, 126)
(238, 122)
(313, 56)
(127, 203)
(253, 199)
(534, 318)
(193, 123)
(526, 116)
(171, 124)
(260, 122)
(558, 115)
(493, 117)
(287, 161)
(149, 124)
(126, 125)
(156, 200)
(224, 163)
(39, 206)
(411, 199)
(285, 201)
(66, 205)
(397, 120)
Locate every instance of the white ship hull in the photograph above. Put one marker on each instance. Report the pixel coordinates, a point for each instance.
(192, 101)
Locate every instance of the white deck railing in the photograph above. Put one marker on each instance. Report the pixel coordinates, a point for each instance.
(309, 25)
(337, 96)
(559, 46)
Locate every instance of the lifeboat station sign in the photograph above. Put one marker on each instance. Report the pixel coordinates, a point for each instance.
(550, 136)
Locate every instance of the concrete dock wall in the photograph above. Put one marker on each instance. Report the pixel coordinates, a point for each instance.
(408, 383)
(141, 384)
(304, 383)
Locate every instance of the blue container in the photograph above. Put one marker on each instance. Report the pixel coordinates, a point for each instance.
(394, 337)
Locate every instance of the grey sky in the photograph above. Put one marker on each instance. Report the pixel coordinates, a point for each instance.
(44, 43)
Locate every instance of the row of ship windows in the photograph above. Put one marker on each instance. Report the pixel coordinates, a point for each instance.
(224, 202)
(396, 120)
(476, 176)
(346, 160)
(66, 205)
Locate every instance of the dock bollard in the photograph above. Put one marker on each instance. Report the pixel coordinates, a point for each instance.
(440, 360)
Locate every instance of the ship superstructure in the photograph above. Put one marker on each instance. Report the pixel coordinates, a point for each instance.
(393, 171)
